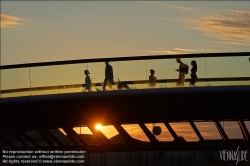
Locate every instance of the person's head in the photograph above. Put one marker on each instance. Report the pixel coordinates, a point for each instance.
(178, 60)
(152, 71)
(86, 72)
(107, 62)
(193, 63)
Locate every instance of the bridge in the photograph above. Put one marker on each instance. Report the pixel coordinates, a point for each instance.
(49, 96)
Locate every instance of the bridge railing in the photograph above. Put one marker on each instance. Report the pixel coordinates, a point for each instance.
(213, 69)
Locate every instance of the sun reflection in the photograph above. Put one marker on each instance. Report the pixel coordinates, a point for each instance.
(98, 126)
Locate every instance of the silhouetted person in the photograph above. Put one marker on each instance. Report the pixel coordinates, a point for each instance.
(193, 73)
(108, 76)
(183, 69)
(87, 80)
(152, 79)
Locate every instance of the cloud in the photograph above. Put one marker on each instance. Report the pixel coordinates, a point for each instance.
(168, 5)
(9, 21)
(231, 27)
(178, 51)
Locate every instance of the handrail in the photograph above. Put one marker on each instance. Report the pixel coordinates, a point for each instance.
(127, 82)
(148, 57)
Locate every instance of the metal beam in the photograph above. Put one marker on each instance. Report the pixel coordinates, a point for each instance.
(172, 132)
(99, 135)
(45, 137)
(20, 139)
(127, 138)
(221, 130)
(150, 136)
(244, 130)
(54, 138)
(78, 137)
(69, 134)
(26, 136)
(197, 132)
(145, 57)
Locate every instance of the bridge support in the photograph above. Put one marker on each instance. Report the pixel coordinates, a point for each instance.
(197, 132)
(221, 130)
(99, 135)
(124, 133)
(150, 136)
(19, 138)
(26, 136)
(244, 130)
(54, 138)
(172, 132)
(45, 137)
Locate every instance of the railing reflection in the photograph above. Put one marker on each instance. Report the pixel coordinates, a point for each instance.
(128, 73)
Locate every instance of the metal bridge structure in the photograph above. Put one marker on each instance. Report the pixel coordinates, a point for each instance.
(44, 97)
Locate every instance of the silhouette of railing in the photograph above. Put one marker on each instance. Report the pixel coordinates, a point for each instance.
(116, 83)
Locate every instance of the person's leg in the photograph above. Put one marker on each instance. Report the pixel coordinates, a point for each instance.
(192, 81)
(110, 84)
(180, 81)
(105, 83)
(182, 78)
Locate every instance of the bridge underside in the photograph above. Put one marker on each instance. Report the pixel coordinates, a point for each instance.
(43, 113)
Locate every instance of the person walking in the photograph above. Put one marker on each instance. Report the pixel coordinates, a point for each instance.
(193, 73)
(108, 76)
(152, 79)
(183, 69)
(87, 81)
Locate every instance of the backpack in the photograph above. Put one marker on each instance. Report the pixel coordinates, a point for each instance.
(184, 69)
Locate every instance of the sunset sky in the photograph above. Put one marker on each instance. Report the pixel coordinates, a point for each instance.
(43, 31)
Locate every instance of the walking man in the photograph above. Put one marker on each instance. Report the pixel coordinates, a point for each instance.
(108, 76)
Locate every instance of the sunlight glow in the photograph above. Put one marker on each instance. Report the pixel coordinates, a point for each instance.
(98, 126)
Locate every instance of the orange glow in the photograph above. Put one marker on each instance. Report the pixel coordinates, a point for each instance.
(98, 126)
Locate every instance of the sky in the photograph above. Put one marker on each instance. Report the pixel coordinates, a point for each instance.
(44, 31)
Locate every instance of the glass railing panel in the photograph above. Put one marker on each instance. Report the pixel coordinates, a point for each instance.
(97, 75)
(163, 69)
(134, 71)
(125, 71)
(164, 136)
(228, 67)
(73, 76)
(232, 129)
(57, 79)
(16, 81)
(167, 76)
(220, 71)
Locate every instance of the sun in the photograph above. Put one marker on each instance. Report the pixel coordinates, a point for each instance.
(98, 126)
